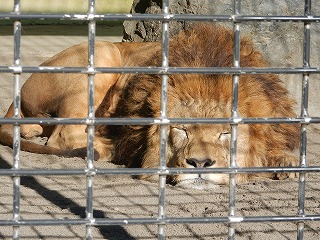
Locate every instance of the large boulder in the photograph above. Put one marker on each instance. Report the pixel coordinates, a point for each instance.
(139, 31)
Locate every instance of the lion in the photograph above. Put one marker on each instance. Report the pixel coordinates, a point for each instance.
(138, 96)
(202, 96)
(58, 95)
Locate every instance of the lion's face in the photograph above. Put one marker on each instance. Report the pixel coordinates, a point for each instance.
(200, 146)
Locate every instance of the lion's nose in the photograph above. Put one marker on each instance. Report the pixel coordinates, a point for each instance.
(203, 163)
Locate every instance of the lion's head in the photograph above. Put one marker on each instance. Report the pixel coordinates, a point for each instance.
(198, 146)
(205, 96)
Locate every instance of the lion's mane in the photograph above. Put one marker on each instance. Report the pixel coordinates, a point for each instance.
(205, 96)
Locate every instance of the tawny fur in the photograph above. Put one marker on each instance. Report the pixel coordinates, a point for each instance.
(48, 95)
(203, 96)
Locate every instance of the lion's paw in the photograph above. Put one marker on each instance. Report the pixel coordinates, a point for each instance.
(287, 161)
(31, 131)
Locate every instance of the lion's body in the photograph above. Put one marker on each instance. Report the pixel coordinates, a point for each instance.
(48, 95)
(205, 96)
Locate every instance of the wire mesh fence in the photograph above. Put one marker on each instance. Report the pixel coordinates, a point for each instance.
(90, 218)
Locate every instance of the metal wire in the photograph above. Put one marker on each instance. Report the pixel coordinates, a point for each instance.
(158, 121)
(90, 128)
(304, 113)
(160, 17)
(235, 116)
(16, 128)
(90, 172)
(163, 117)
(154, 171)
(126, 221)
(159, 70)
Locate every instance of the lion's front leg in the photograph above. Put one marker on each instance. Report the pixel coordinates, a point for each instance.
(278, 158)
(75, 136)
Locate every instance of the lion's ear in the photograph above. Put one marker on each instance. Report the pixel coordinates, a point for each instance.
(179, 137)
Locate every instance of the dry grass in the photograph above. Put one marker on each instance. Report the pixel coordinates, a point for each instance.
(64, 6)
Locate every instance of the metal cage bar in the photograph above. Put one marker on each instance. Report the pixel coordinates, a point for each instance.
(16, 129)
(156, 171)
(162, 220)
(163, 117)
(234, 126)
(159, 17)
(159, 70)
(148, 121)
(304, 113)
(91, 112)
(125, 221)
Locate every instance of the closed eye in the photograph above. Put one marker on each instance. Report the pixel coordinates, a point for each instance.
(224, 136)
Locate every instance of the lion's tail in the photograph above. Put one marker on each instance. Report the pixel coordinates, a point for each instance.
(6, 139)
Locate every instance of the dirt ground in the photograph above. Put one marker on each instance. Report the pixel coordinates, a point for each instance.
(60, 197)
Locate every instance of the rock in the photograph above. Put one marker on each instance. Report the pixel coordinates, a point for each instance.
(148, 31)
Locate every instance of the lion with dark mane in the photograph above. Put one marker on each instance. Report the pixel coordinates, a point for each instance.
(203, 96)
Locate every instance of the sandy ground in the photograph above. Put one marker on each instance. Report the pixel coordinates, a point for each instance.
(123, 197)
